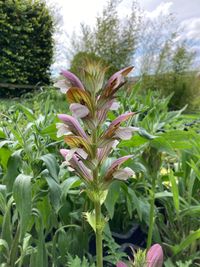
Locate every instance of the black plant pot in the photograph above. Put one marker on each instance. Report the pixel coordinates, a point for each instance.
(135, 238)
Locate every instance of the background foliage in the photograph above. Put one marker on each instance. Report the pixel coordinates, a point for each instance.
(56, 233)
(163, 60)
(112, 39)
(26, 45)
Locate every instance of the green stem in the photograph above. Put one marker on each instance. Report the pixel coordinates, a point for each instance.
(151, 216)
(97, 205)
(14, 248)
(99, 250)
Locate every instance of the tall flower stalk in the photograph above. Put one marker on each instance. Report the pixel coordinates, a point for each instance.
(89, 141)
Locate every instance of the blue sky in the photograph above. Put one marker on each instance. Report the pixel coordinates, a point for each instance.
(74, 12)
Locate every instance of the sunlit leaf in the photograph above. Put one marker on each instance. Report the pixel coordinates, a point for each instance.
(22, 197)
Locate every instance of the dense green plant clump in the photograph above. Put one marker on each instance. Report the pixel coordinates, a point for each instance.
(56, 234)
(26, 45)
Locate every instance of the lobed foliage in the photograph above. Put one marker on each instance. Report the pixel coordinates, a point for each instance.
(26, 44)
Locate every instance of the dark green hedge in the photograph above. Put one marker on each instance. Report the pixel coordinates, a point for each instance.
(26, 44)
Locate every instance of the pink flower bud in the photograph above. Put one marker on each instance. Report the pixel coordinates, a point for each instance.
(121, 264)
(155, 256)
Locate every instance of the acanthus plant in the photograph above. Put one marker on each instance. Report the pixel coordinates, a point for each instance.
(91, 142)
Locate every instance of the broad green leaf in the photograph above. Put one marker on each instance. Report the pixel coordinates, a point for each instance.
(2, 135)
(22, 197)
(162, 145)
(51, 165)
(135, 202)
(68, 184)
(135, 141)
(55, 192)
(27, 111)
(112, 197)
(180, 139)
(50, 131)
(4, 156)
(6, 225)
(14, 163)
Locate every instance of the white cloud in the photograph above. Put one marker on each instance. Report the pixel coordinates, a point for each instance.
(164, 8)
(191, 28)
(76, 11)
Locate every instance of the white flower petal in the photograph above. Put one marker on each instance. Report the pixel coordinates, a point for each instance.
(115, 143)
(82, 153)
(64, 85)
(115, 106)
(62, 129)
(123, 174)
(78, 110)
(70, 169)
(70, 154)
(125, 133)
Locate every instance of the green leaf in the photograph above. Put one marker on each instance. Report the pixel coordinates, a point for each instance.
(39, 257)
(135, 203)
(90, 217)
(14, 163)
(146, 135)
(112, 197)
(6, 225)
(2, 135)
(175, 191)
(162, 145)
(4, 156)
(68, 184)
(187, 242)
(135, 141)
(180, 139)
(191, 211)
(22, 197)
(50, 131)
(163, 194)
(51, 165)
(193, 165)
(55, 192)
(27, 111)
(5, 142)
(3, 198)
(4, 244)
